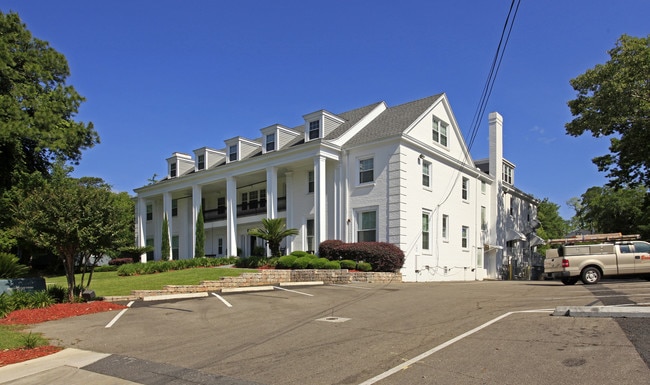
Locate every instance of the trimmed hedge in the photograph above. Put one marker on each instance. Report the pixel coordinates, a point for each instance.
(329, 249)
(381, 256)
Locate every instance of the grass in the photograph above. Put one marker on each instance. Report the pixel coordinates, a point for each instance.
(106, 284)
(11, 337)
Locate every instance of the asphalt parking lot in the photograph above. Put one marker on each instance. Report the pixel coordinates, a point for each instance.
(400, 333)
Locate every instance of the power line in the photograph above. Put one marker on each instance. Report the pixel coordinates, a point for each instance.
(494, 69)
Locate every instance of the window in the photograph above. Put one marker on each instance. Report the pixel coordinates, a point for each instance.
(310, 182)
(483, 218)
(314, 129)
(445, 227)
(270, 142)
(512, 206)
(172, 170)
(507, 174)
(426, 174)
(366, 170)
(232, 153)
(175, 247)
(483, 186)
(426, 218)
(220, 246)
(367, 231)
(221, 205)
(439, 132)
(465, 188)
(149, 243)
(201, 162)
(310, 235)
(252, 200)
(465, 237)
(641, 247)
(149, 212)
(263, 197)
(174, 207)
(244, 201)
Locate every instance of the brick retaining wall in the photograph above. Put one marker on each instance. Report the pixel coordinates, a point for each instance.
(274, 277)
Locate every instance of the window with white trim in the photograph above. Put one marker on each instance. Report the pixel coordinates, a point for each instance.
(172, 170)
(439, 132)
(310, 235)
(426, 174)
(310, 182)
(220, 246)
(200, 162)
(174, 207)
(366, 170)
(314, 129)
(270, 142)
(232, 153)
(149, 212)
(175, 248)
(367, 226)
(507, 174)
(150, 244)
(483, 218)
(465, 189)
(445, 227)
(464, 237)
(426, 233)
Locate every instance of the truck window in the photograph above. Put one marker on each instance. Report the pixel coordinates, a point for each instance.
(642, 247)
(625, 248)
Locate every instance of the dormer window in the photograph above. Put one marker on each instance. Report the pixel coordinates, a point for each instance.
(439, 132)
(201, 162)
(314, 129)
(172, 170)
(507, 173)
(270, 142)
(232, 153)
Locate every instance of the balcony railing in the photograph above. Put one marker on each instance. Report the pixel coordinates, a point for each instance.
(243, 210)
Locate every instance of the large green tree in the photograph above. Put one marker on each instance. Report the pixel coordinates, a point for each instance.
(73, 218)
(614, 100)
(552, 225)
(273, 231)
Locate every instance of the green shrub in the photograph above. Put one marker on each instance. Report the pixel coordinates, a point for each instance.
(301, 263)
(298, 253)
(105, 268)
(5, 305)
(348, 264)
(126, 270)
(41, 299)
(318, 263)
(329, 249)
(332, 265)
(10, 268)
(286, 262)
(311, 256)
(364, 266)
(58, 293)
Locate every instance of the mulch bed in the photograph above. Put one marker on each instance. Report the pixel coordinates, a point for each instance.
(54, 312)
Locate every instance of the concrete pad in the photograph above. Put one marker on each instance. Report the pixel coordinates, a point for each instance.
(174, 296)
(73, 358)
(603, 311)
(246, 289)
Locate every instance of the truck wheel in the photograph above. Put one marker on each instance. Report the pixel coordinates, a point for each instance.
(570, 281)
(590, 275)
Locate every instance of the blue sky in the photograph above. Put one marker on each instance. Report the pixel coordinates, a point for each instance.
(165, 76)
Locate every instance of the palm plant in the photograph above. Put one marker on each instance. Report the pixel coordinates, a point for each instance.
(273, 231)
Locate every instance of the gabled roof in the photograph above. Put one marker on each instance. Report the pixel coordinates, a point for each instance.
(351, 118)
(393, 121)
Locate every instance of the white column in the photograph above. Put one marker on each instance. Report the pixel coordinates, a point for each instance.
(271, 192)
(231, 216)
(196, 207)
(320, 214)
(141, 212)
(288, 178)
(167, 211)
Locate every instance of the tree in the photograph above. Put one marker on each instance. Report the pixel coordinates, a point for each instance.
(610, 210)
(73, 218)
(165, 250)
(37, 108)
(273, 231)
(614, 100)
(199, 248)
(552, 225)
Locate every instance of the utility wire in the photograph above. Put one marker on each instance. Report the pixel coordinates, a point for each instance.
(494, 69)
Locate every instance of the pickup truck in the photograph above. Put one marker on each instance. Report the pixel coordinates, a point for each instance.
(589, 263)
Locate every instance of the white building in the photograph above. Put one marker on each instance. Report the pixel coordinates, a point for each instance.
(398, 174)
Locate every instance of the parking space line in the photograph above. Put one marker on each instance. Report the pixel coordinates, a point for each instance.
(119, 315)
(293, 291)
(352, 286)
(222, 299)
(426, 354)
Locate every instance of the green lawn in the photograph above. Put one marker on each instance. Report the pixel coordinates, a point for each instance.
(107, 284)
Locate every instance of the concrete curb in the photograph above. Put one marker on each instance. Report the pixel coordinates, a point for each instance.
(603, 311)
(174, 296)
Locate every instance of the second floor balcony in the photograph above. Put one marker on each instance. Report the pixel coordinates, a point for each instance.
(243, 210)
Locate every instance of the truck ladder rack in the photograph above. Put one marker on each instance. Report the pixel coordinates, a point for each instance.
(587, 238)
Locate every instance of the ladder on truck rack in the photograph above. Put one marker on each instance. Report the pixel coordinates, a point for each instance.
(611, 237)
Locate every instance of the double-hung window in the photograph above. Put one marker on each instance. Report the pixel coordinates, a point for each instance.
(310, 235)
(483, 218)
(310, 182)
(465, 189)
(149, 212)
(200, 162)
(426, 233)
(232, 153)
(174, 207)
(367, 226)
(172, 170)
(366, 170)
(426, 174)
(314, 129)
(445, 227)
(440, 132)
(465, 237)
(270, 142)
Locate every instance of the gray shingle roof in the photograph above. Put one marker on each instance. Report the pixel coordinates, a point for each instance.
(393, 121)
(351, 118)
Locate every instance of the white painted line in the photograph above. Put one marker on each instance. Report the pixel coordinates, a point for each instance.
(175, 296)
(222, 299)
(430, 352)
(119, 315)
(352, 286)
(294, 291)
